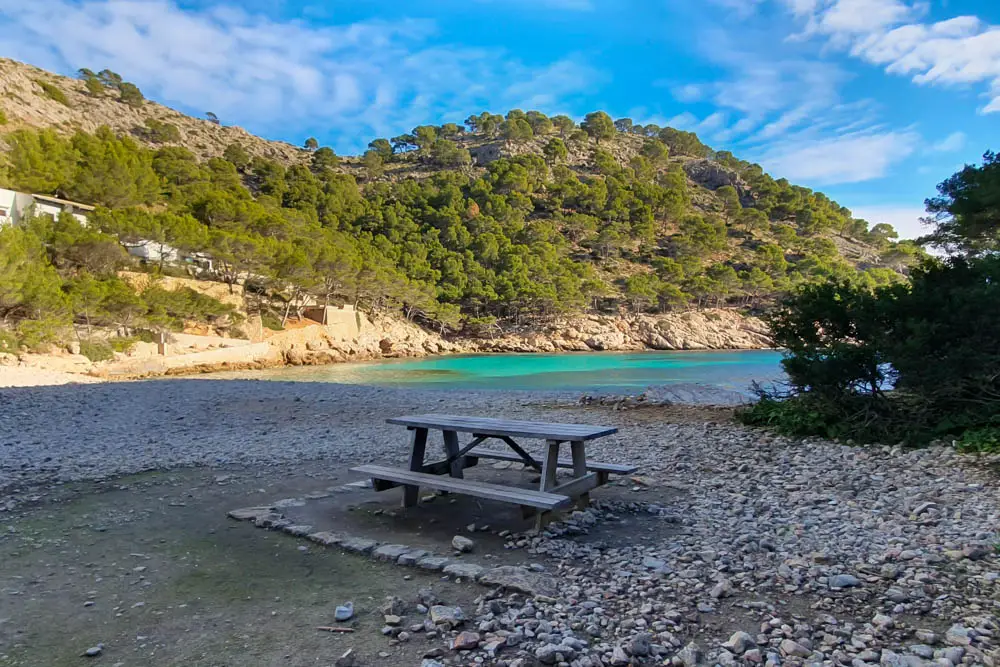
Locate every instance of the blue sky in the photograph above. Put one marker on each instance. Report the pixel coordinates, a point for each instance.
(870, 101)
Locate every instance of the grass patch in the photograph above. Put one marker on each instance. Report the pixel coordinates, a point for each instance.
(53, 92)
(3, 117)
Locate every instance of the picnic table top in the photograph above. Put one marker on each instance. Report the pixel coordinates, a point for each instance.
(508, 427)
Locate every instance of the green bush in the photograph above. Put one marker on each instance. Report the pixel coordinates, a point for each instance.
(984, 440)
(53, 92)
(171, 308)
(37, 335)
(158, 131)
(8, 342)
(910, 364)
(3, 117)
(271, 321)
(97, 350)
(123, 344)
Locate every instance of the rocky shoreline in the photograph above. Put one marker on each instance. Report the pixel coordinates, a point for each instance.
(388, 338)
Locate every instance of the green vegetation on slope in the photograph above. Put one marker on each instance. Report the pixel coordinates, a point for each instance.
(580, 217)
(906, 362)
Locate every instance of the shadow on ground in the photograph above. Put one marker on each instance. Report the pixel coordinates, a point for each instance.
(151, 568)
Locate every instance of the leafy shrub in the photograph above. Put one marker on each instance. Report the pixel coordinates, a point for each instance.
(159, 132)
(39, 334)
(8, 341)
(171, 308)
(984, 440)
(123, 344)
(3, 117)
(53, 92)
(97, 350)
(271, 321)
(898, 364)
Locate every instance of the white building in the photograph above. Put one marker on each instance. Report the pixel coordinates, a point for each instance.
(154, 252)
(53, 206)
(15, 206)
(12, 206)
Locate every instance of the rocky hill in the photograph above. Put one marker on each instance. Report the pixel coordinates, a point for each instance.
(25, 103)
(489, 231)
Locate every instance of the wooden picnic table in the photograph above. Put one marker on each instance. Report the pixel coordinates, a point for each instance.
(447, 474)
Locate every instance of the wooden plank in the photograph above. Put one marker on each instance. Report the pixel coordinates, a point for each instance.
(580, 473)
(525, 456)
(613, 468)
(418, 445)
(443, 467)
(454, 455)
(469, 447)
(550, 465)
(507, 494)
(502, 427)
(576, 487)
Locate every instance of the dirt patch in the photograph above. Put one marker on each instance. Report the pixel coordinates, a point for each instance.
(151, 568)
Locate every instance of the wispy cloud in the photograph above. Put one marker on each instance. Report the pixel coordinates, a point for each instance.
(372, 77)
(953, 142)
(963, 50)
(839, 159)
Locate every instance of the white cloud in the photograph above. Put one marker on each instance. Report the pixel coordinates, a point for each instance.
(832, 160)
(962, 50)
(370, 77)
(953, 142)
(712, 122)
(691, 92)
(905, 219)
(682, 121)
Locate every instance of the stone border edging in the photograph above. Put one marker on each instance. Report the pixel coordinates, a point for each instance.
(511, 577)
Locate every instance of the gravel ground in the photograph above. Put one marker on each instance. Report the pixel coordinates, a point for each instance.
(813, 552)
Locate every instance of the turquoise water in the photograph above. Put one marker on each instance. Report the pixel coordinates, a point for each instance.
(606, 372)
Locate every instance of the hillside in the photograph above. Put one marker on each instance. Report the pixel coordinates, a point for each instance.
(503, 221)
(25, 104)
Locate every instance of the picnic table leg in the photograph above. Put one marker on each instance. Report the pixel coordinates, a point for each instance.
(549, 466)
(451, 449)
(580, 470)
(418, 444)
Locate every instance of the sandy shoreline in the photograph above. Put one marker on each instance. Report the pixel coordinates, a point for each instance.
(28, 376)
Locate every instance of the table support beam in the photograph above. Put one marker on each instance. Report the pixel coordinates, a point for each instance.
(453, 453)
(528, 460)
(418, 446)
(580, 472)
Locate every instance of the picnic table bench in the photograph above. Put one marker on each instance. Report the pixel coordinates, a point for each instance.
(447, 474)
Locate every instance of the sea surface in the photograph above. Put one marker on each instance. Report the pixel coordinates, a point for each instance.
(595, 372)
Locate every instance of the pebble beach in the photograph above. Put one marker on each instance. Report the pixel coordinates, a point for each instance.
(891, 554)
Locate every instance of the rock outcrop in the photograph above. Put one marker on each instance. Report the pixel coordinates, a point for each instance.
(715, 329)
(712, 175)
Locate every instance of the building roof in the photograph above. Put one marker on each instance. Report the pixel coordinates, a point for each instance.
(56, 200)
